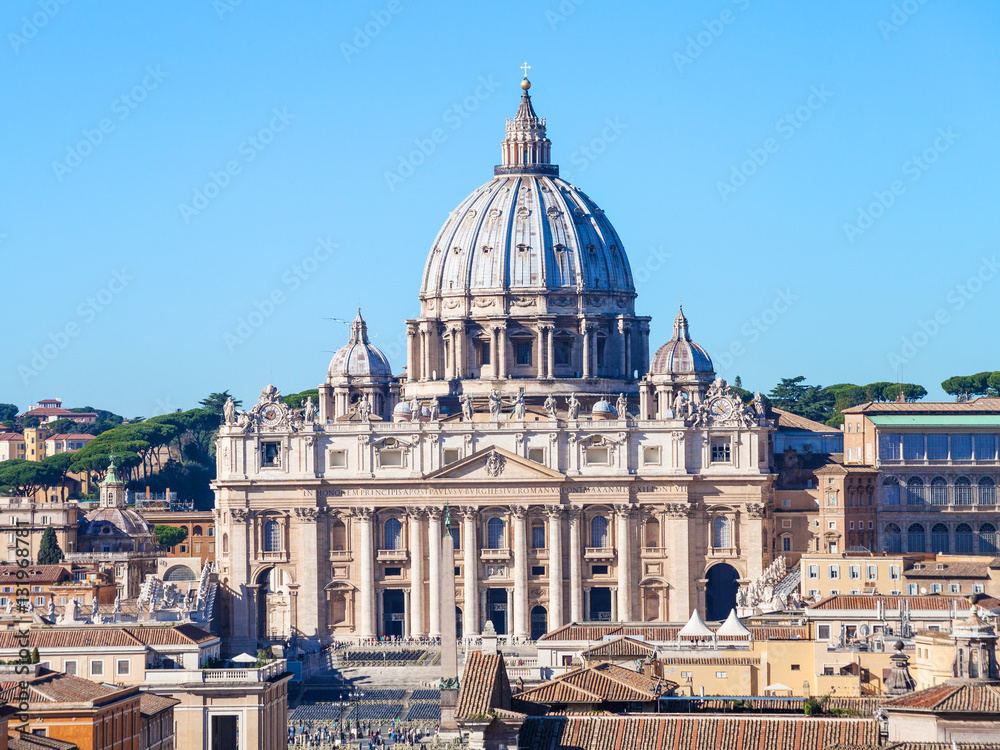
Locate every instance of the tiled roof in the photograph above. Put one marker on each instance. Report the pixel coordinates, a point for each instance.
(107, 637)
(661, 732)
(939, 746)
(37, 574)
(605, 683)
(15, 437)
(660, 632)
(789, 421)
(870, 602)
(623, 647)
(858, 706)
(70, 436)
(484, 686)
(56, 687)
(950, 570)
(151, 704)
(705, 661)
(951, 698)
(978, 405)
(37, 742)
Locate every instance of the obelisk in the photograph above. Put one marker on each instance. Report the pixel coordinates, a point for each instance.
(449, 630)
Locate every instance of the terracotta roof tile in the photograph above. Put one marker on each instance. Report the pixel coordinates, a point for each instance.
(36, 742)
(662, 632)
(623, 647)
(107, 637)
(37, 574)
(950, 570)
(870, 602)
(789, 421)
(56, 687)
(484, 685)
(604, 683)
(951, 698)
(151, 704)
(979, 405)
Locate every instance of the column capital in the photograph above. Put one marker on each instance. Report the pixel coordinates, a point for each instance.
(553, 511)
(678, 510)
(412, 329)
(416, 512)
(469, 512)
(308, 515)
(363, 514)
(435, 514)
(575, 512)
(240, 515)
(623, 511)
(519, 511)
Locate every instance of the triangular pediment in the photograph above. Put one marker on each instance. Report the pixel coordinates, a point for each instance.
(495, 464)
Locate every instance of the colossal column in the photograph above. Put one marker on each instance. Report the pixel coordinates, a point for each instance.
(502, 351)
(412, 353)
(520, 618)
(575, 562)
(434, 569)
(366, 564)
(586, 349)
(624, 513)
(470, 620)
(555, 568)
(550, 362)
(309, 620)
(415, 516)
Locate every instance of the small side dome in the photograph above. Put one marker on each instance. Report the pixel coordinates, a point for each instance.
(603, 410)
(359, 358)
(402, 408)
(681, 355)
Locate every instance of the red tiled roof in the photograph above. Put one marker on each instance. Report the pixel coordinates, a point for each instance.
(975, 406)
(789, 421)
(13, 437)
(37, 574)
(107, 637)
(870, 602)
(951, 698)
(71, 436)
(604, 683)
(951, 570)
(37, 742)
(56, 687)
(151, 704)
(662, 732)
(484, 686)
(661, 632)
(623, 648)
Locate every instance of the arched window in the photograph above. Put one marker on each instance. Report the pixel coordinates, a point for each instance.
(652, 533)
(963, 491)
(987, 491)
(197, 531)
(963, 539)
(892, 539)
(225, 542)
(890, 491)
(915, 538)
(272, 536)
(987, 539)
(721, 536)
(494, 533)
(598, 531)
(339, 610)
(914, 491)
(393, 534)
(939, 491)
(339, 532)
(939, 538)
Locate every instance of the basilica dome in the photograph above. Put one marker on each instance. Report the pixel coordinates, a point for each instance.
(359, 358)
(526, 231)
(681, 355)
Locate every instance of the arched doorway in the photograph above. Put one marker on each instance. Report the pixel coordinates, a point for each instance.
(720, 592)
(539, 622)
(273, 604)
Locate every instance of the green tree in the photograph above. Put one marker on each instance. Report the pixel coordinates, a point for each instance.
(876, 391)
(68, 425)
(7, 412)
(298, 400)
(215, 401)
(31, 421)
(964, 387)
(809, 401)
(28, 477)
(49, 552)
(35, 657)
(169, 536)
(911, 391)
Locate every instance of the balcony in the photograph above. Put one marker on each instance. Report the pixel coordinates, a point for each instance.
(392, 555)
(653, 551)
(599, 553)
(273, 556)
(495, 555)
(84, 557)
(341, 555)
(215, 676)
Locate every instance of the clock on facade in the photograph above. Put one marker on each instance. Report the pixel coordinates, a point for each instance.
(721, 408)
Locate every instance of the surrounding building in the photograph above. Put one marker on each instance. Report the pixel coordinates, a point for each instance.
(51, 409)
(11, 445)
(23, 521)
(581, 479)
(197, 549)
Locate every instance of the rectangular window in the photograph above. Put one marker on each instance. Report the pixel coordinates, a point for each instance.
(986, 447)
(563, 351)
(831, 524)
(69, 667)
(393, 572)
(484, 352)
(961, 447)
(721, 450)
(537, 455)
(651, 455)
(538, 537)
(786, 523)
(599, 456)
(888, 446)
(935, 588)
(978, 588)
(686, 675)
(834, 571)
(97, 668)
(720, 675)
(599, 570)
(937, 447)
(911, 589)
(893, 572)
(524, 354)
(854, 571)
(270, 453)
(796, 668)
(39, 601)
(456, 536)
(823, 632)
(124, 667)
(338, 459)
(537, 570)
(786, 544)
(913, 446)
(954, 588)
(391, 458)
(197, 546)
(451, 455)
(786, 503)
(813, 571)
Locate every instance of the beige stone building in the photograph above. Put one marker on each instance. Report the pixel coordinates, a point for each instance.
(580, 478)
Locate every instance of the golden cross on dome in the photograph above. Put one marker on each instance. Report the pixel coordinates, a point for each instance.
(525, 68)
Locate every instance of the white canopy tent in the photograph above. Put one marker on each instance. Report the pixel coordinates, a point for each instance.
(734, 628)
(696, 628)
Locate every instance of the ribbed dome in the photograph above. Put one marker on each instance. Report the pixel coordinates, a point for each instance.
(527, 232)
(359, 358)
(681, 355)
(109, 523)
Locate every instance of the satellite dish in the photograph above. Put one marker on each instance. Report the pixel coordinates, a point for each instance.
(923, 589)
(864, 631)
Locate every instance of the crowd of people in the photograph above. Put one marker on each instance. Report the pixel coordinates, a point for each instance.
(308, 734)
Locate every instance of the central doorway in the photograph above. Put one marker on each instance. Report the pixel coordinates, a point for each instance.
(600, 604)
(720, 591)
(393, 612)
(496, 609)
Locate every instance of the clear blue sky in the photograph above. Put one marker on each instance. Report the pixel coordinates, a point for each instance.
(837, 97)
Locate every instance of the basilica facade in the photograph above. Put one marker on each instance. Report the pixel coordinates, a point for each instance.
(581, 479)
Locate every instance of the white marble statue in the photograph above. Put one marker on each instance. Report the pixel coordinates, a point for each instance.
(621, 406)
(364, 408)
(517, 414)
(435, 409)
(309, 411)
(229, 411)
(496, 404)
(572, 406)
(466, 401)
(550, 406)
